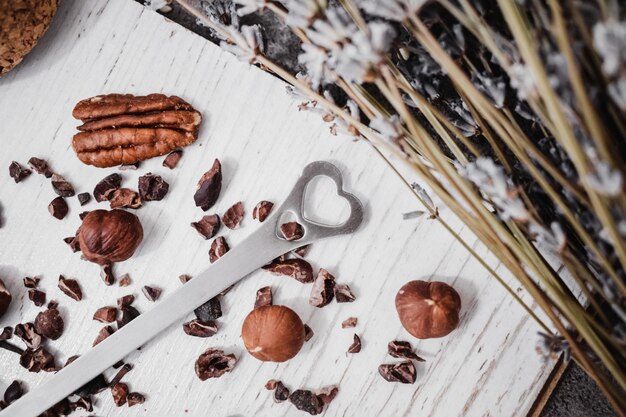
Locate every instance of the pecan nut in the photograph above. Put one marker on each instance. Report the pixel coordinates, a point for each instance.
(125, 129)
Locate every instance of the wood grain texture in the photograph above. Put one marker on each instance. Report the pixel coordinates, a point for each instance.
(488, 366)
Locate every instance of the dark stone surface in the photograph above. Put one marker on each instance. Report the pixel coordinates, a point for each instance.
(576, 395)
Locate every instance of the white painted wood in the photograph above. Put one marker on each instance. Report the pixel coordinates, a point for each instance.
(486, 367)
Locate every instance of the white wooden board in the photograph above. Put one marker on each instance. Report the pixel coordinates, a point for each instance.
(486, 367)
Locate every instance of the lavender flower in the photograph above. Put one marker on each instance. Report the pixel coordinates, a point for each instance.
(315, 59)
(303, 12)
(397, 10)
(421, 192)
(247, 44)
(250, 6)
(605, 180)
(617, 91)
(335, 29)
(389, 128)
(523, 80)
(552, 239)
(609, 39)
(221, 11)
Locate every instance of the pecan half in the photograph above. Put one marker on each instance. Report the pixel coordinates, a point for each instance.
(125, 129)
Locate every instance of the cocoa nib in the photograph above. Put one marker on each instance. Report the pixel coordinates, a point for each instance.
(125, 301)
(322, 291)
(71, 288)
(298, 269)
(58, 208)
(106, 273)
(13, 392)
(355, 347)
(124, 280)
(129, 313)
(105, 332)
(121, 373)
(306, 400)
(263, 297)
(37, 360)
(184, 278)
(209, 187)
(18, 172)
(271, 384)
(37, 297)
(105, 314)
(52, 304)
(106, 186)
(214, 363)
(26, 332)
(233, 216)
(6, 333)
(151, 293)
(124, 197)
(119, 392)
(61, 186)
(218, 248)
(349, 322)
(207, 226)
(172, 159)
(40, 166)
(308, 333)
(73, 243)
(31, 282)
(83, 198)
(343, 294)
(135, 398)
(402, 349)
(403, 372)
(292, 230)
(281, 392)
(211, 310)
(200, 328)
(328, 394)
(262, 210)
(152, 187)
(49, 323)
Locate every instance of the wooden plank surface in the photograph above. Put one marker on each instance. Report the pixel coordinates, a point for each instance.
(486, 367)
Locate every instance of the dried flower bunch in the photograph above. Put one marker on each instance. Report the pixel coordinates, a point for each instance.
(512, 112)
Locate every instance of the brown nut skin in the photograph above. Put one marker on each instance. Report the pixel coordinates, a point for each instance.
(109, 236)
(428, 309)
(273, 333)
(5, 298)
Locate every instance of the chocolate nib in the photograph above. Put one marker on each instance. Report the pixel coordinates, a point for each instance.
(151, 293)
(262, 210)
(292, 230)
(37, 297)
(211, 310)
(200, 328)
(152, 187)
(124, 197)
(37, 360)
(135, 398)
(218, 248)
(343, 294)
(120, 393)
(209, 187)
(233, 216)
(281, 392)
(103, 334)
(296, 268)
(58, 208)
(106, 186)
(308, 333)
(40, 166)
(207, 226)
(306, 400)
(61, 186)
(171, 160)
(71, 288)
(26, 332)
(105, 314)
(323, 289)
(349, 322)
(214, 363)
(18, 172)
(402, 349)
(263, 297)
(403, 372)
(355, 347)
(83, 198)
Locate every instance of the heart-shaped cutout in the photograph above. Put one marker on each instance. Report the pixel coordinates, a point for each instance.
(323, 203)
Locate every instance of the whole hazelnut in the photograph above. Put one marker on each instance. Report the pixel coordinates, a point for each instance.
(109, 236)
(273, 333)
(5, 298)
(49, 323)
(428, 309)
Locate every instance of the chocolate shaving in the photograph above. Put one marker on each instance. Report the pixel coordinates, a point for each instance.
(200, 328)
(105, 314)
(211, 310)
(61, 186)
(124, 280)
(355, 347)
(105, 332)
(106, 186)
(135, 398)
(83, 198)
(18, 172)
(106, 273)
(172, 159)
(403, 372)
(298, 269)
(26, 332)
(292, 230)
(207, 226)
(263, 297)
(233, 216)
(308, 333)
(31, 282)
(152, 187)
(262, 210)
(402, 349)
(119, 392)
(209, 187)
(343, 294)
(218, 248)
(49, 323)
(58, 208)
(151, 293)
(322, 291)
(214, 363)
(124, 197)
(37, 360)
(37, 297)
(40, 166)
(307, 401)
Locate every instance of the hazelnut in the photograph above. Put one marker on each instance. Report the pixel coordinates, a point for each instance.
(109, 236)
(273, 333)
(5, 298)
(428, 309)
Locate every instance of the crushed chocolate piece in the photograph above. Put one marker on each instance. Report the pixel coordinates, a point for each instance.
(301, 251)
(262, 210)
(211, 310)
(349, 322)
(281, 392)
(37, 360)
(328, 394)
(200, 328)
(26, 332)
(121, 373)
(83, 198)
(18, 172)
(292, 230)
(343, 294)
(49, 323)
(263, 297)
(209, 187)
(6, 333)
(119, 392)
(402, 349)
(105, 314)
(129, 313)
(308, 333)
(135, 398)
(124, 280)
(37, 297)
(31, 282)
(61, 186)
(184, 278)
(207, 226)
(322, 291)
(124, 197)
(355, 347)
(233, 216)
(105, 332)
(151, 293)
(125, 301)
(172, 159)
(106, 273)
(58, 208)
(297, 268)
(403, 372)
(13, 392)
(218, 248)
(106, 186)
(213, 363)
(306, 400)
(73, 243)
(40, 166)
(152, 187)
